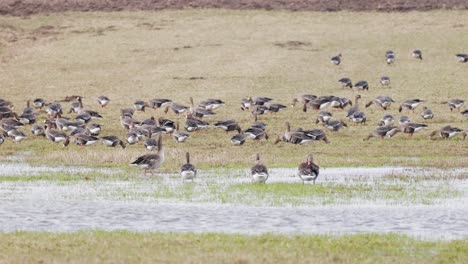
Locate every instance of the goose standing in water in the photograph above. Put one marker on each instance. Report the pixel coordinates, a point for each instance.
(151, 161)
(188, 170)
(427, 113)
(417, 54)
(308, 170)
(259, 172)
(336, 59)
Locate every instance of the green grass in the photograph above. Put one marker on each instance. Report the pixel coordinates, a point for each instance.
(130, 247)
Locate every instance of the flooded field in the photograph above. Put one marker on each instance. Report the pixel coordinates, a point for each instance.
(421, 202)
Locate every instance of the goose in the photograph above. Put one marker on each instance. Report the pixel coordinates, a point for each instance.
(275, 108)
(318, 103)
(139, 105)
(387, 120)
(410, 104)
(2, 138)
(28, 109)
(39, 103)
(465, 112)
(167, 124)
(359, 117)
(37, 130)
(355, 108)
(238, 140)
(390, 57)
(427, 113)
(200, 111)
(385, 81)
(127, 112)
(382, 100)
(383, 131)
(228, 125)
(179, 136)
(177, 108)
(65, 124)
(82, 139)
(127, 122)
(6, 112)
(94, 129)
(10, 123)
(71, 98)
(151, 144)
(294, 137)
(74, 107)
(132, 137)
(194, 124)
(317, 135)
(260, 100)
(362, 85)
(79, 130)
(259, 109)
(159, 103)
(259, 172)
(112, 141)
(56, 136)
(258, 124)
(211, 104)
(404, 120)
(308, 170)
(16, 135)
(246, 103)
(27, 118)
(455, 104)
(323, 117)
(389, 52)
(336, 59)
(411, 128)
(151, 161)
(103, 100)
(150, 122)
(53, 109)
(462, 57)
(6, 103)
(256, 133)
(446, 132)
(344, 102)
(303, 99)
(417, 54)
(188, 170)
(334, 125)
(345, 82)
(82, 111)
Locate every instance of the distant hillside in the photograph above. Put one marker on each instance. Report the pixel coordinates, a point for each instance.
(28, 7)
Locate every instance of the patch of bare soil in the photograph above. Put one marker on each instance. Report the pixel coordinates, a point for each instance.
(28, 7)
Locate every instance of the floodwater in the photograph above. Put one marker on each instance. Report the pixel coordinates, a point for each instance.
(80, 205)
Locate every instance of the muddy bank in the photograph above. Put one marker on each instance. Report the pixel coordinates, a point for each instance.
(28, 7)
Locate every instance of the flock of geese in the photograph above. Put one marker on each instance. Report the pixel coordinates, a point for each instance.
(79, 130)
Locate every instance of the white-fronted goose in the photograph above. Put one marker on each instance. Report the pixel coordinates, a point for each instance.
(455, 104)
(275, 108)
(56, 136)
(112, 141)
(238, 140)
(177, 108)
(132, 137)
(427, 113)
(150, 143)
(16, 135)
(94, 129)
(303, 99)
(345, 82)
(411, 128)
(259, 172)
(39, 103)
(2, 138)
(159, 103)
(294, 136)
(82, 139)
(256, 133)
(465, 112)
(38, 130)
(385, 81)
(382, 100)
(336, 59)
(211, 104)
(334, 125)
(194, 124)
(139, 105)
(362, 85)
(355, 108)
(387, 120)
(323, 117)
(151, 161)
(228, 125)
(417, 54)
(404, 120)
(188, 170)
(200, 112)
(390, 57)
(82, 111)
(318, 103)
(446, 132)
(308, 170)
(103, 100)
(383, 131)
(127, 112)
(179, 136)
(53, 109)
(462, 57)
(167, 125)
(410, 104)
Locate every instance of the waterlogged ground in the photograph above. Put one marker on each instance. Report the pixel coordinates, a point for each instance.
(425, 203)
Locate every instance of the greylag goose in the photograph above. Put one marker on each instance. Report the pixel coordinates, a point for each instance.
(427, 113)
(112, 141)
(387, 120)
(345, 82)
(411, 128)
(383, 131)
(259, 172)
(308, 170)
(417, 54)
(228, 125)
(103, 100)
(382, 100)
(188, 170)
(151, 161)
(336, 59)
(410, 104)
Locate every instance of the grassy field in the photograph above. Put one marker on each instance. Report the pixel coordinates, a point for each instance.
(128, 247)
(230, 55)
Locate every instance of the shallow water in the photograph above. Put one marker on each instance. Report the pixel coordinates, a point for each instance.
(116, 204)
